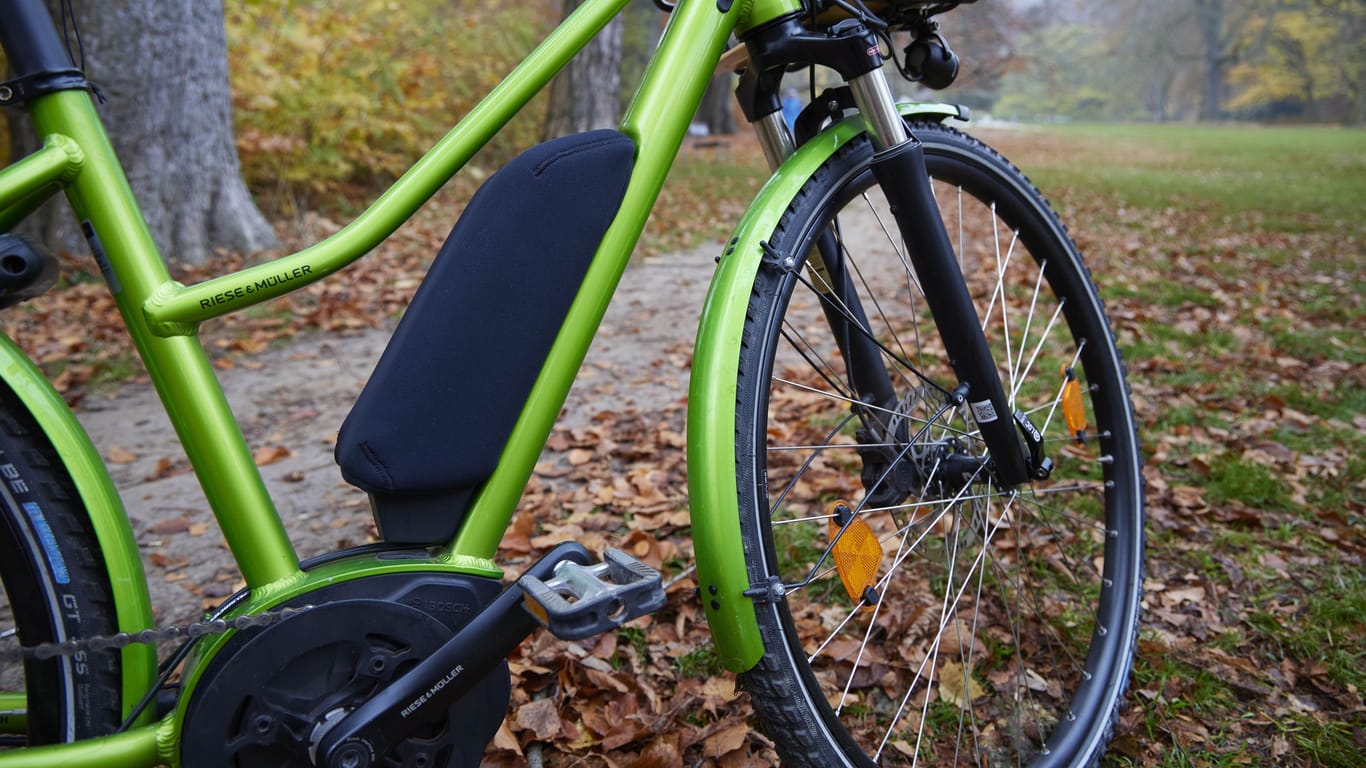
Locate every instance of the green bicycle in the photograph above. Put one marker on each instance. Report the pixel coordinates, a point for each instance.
(914, 472)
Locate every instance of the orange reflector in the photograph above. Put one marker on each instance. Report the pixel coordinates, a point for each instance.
(1073, 409)
(857, 552)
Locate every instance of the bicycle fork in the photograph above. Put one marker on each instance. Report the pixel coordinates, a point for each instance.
(898, 165)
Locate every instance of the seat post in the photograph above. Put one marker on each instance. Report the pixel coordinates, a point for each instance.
(35, 52)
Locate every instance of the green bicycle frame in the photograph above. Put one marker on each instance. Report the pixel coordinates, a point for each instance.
(163, 317)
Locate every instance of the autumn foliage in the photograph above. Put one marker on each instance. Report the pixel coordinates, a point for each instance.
(333, 100)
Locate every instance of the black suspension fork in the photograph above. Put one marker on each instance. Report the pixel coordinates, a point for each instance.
(899, 167)
(846, 50)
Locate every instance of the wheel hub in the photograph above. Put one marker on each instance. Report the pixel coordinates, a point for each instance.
(897, 464)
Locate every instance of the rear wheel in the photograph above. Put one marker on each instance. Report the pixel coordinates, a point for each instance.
(55, 588)
(929, 614)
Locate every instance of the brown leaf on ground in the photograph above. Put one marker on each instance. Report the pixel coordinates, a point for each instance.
(726, 741)
(269, 454)
(118, 455)
(170, 525)
(540, 718)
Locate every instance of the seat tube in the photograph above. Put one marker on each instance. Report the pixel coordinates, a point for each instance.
(177, 363)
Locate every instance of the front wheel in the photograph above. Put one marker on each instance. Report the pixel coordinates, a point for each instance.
(930, 615)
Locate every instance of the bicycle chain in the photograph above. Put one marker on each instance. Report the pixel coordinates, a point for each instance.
(44, 651)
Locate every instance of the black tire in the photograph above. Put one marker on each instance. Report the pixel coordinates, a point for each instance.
(1002, 624)
(55, 588)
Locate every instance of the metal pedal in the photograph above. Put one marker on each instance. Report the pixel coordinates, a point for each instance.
(584, 600)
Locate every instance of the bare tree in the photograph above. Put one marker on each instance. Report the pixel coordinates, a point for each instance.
(162, 67)
(1155, 47)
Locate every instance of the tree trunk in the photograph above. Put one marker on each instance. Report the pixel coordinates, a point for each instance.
(585, 95)
(162, 65)
(714, 111)
(1210, 15)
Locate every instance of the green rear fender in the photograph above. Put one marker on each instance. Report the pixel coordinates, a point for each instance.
(133, 606)
(712, 486)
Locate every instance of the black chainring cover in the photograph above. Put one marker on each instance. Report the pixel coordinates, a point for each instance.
(260, 698)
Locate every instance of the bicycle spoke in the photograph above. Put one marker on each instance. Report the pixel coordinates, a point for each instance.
(1038, 349)
(777, 503)
(933, 651)
(1016, 376)
(815, 360)
(833, 396)
(947, 620)
(912, 290)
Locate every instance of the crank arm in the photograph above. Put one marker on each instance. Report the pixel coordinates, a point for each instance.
(563, 591)
(360, 739)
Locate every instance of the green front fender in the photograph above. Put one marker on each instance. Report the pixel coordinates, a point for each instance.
(133, 606)
(721, 574)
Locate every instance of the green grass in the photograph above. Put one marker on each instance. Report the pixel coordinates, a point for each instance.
(1250, 483)
(1231, 260)
(1283, 173)
(700, 663)
(633, 638)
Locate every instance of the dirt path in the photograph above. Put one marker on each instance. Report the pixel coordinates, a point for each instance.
(290, 403)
